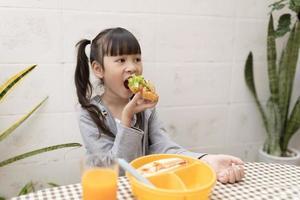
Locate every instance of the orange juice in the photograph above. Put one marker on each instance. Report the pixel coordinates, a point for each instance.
(99, 183)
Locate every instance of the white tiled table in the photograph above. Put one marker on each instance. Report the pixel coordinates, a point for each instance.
(262, 182)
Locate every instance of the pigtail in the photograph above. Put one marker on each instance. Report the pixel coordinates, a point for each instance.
(82, 74)
(84, 87)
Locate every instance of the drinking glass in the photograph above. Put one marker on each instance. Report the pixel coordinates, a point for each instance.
(99, 178)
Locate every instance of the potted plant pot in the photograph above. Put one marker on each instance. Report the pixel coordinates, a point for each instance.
(293, 159)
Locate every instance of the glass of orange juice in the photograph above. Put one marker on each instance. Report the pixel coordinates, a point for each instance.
(99, 178)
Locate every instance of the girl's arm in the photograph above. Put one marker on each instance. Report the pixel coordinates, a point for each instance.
(160, 141)
(127, 143)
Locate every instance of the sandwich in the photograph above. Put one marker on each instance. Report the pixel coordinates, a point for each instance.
(161, 166)
(137, 83)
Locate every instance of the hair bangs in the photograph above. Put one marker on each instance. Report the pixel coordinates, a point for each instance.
(121, 42)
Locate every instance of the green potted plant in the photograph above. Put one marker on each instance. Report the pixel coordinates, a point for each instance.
(5, 88)
(281, 119)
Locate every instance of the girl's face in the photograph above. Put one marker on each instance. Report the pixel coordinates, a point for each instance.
(117, 69)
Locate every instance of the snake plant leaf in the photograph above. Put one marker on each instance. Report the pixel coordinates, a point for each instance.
(9, 130)
(12, 82)
(249, 77)
(287, 70)
(295, 5)
(38, 151)
(283, 25)
(277, 5)
(293, 124)
(28, 188)
(272, 68)
(296, 2)
(273, 116)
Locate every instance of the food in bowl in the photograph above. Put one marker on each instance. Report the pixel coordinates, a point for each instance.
(161, 166)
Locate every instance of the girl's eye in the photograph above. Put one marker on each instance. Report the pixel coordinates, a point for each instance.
(121, 60)
(138, 60)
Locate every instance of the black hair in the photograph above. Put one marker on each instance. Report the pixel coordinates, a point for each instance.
(109, 42)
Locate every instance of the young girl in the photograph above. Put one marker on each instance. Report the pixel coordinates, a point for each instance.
(115, 124)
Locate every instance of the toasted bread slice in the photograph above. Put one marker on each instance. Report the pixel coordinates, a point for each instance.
(161, 166)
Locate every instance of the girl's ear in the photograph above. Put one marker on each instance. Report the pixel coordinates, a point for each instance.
(98, 69)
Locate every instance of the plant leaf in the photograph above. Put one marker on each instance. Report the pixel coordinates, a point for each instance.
(28, 188)
(274, 126)
(9, 130)
(249, 77)
(277, 5)
(283, 25)
(38, 151)
(295, 6)
(2, 198)
(296, 2)
(293, 124)
(287, 70)
(12, 82)
(53, 184)
(272, 68)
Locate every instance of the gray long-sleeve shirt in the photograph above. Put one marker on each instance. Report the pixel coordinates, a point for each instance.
(128, 143)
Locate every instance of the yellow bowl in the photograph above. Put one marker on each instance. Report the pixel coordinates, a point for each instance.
(192, 182)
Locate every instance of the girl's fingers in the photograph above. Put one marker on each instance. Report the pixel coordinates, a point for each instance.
(223, 177)
(232, 177)
(237, 172)
(242, 170)
(139, 101)
(136, 97)
(138, 104)
(145, 105)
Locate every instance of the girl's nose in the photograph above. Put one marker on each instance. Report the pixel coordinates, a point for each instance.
(131, 68)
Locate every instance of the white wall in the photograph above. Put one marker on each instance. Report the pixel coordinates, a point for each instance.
(194, 51)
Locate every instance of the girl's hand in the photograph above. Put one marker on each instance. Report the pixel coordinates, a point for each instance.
(136, 104)
(228, 168)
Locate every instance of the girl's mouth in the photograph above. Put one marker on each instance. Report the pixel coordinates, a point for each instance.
(126, 84)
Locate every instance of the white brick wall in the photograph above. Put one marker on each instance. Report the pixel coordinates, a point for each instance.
(194, 51)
